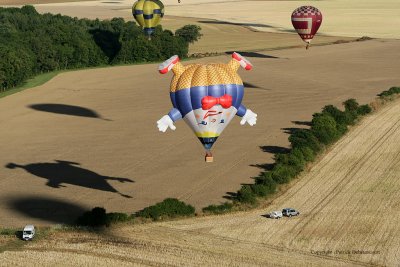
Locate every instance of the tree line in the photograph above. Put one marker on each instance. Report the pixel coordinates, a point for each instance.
(326, 127)
(33, 43)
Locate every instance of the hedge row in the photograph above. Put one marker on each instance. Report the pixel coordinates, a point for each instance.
(390, 92)
(326, 128)
(168, 208)
(98, 217)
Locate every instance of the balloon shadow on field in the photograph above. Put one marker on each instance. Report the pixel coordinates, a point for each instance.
(67, 110)
(66, 172)
(46, 208)
(108, 42)
(251, 54)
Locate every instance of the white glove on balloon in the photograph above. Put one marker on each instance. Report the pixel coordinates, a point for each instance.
(164, 123)
(250, 117)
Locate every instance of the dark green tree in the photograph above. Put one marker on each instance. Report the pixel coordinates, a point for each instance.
(190, 33)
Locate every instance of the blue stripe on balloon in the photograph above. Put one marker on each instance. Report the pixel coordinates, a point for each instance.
(183, 102)
(196, 94)
(148, 16)
(173, 99)
(186, 100)
(236, 91)
(138, 12)
(157, 11)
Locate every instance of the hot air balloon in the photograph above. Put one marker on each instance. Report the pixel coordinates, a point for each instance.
(207, 97)
(306, 20)
(148, 14)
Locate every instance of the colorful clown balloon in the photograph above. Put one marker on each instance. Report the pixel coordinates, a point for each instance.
(207, 97)
(306, 21)
(148, 14)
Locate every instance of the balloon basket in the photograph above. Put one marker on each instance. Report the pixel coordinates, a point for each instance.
(209, 157)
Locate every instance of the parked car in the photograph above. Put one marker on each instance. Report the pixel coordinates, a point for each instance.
(275, 214)
(28, 233)
(290, 212)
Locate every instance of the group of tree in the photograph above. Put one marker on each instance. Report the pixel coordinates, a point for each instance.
(33, 43)
(326, 128)
(167, 209)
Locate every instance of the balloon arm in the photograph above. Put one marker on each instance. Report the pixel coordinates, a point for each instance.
(250, 117)
(241, 111)
(175, 114)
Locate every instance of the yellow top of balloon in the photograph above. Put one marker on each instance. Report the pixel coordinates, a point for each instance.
(204, 75)
(148, 14)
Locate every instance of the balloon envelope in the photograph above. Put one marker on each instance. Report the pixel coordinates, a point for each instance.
(199, 96)
(207, 96)
(306, 20)
(148, 14)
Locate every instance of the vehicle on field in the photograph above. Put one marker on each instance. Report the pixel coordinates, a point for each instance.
(290, 212)
(28, 233)
(275, 214)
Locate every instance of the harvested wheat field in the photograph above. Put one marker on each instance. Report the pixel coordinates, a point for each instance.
(349, 203)
(89, 138)
(234, 35)
(353, 18)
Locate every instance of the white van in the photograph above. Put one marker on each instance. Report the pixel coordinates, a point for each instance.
(29, 232)
(275, 215)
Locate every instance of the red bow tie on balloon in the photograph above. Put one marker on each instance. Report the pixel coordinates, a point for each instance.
(208, 102)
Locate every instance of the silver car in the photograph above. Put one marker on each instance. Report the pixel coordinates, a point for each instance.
(290, 212)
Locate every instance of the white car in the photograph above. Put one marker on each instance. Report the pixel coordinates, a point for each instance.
(275, 214)
(28, 233)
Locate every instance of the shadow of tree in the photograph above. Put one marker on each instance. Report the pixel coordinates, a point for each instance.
(230, 195)
(275, 149)
(236, 23)
(67, 110)
(45, 208)
(290, 130)
(264, 166)
(65, 172)
(305, 123)
(250, 85)
(251, 54)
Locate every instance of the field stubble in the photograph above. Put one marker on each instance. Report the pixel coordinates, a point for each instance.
(349, 204)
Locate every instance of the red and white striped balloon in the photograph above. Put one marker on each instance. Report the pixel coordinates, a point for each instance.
(306, 21)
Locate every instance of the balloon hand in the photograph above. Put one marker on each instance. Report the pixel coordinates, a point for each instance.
(164, 123)
(250, 117)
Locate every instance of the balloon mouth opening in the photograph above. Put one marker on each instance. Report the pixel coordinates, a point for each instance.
(148, 31)
(208, 142)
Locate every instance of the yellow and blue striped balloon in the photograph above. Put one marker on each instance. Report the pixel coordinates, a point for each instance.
(148, 14)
